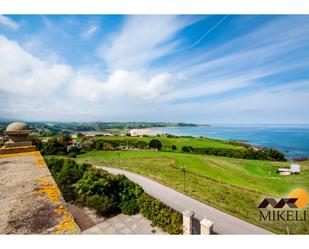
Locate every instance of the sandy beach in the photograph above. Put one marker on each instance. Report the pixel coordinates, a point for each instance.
(142, 132)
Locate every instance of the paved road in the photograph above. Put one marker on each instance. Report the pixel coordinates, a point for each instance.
(223, 223)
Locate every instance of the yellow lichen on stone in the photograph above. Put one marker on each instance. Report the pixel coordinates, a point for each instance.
(40, 161)
(67, 224)
(33, 153)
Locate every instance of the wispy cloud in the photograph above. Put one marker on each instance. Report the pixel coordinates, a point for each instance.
(254, 74)
(141, 40)
(89, 31)
(6, 21)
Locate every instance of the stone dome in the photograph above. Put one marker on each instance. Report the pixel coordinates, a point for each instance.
(17, 126)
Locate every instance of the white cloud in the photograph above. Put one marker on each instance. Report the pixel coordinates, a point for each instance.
(142, 40)
(89, 31)
(121, 85)
(23, 74)
(133, 76)
(6, 21)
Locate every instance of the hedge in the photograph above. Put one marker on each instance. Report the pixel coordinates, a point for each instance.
(161, 215)
(111, 194)
(263, 154)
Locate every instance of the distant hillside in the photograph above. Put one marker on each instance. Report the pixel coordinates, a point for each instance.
(53, 128)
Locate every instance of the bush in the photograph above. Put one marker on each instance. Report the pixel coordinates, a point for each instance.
(161, 215)
(87, 145)
(97, 182)
(99, 145)
(263, 154)
(107, 146)
(128, 193)
(103, 204)
(174, 147)
(53, 147)
(141, 144)
(155, 144)
(66, 173)
(129, 207)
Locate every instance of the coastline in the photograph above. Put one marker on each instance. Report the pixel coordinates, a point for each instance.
(292, 141)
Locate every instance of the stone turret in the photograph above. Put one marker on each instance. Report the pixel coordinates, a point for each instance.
(18, 134)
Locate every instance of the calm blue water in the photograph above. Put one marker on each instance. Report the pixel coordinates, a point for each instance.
(292, 140)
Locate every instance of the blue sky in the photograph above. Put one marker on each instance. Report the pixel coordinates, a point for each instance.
(202, 69)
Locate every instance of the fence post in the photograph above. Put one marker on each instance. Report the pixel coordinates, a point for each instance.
(187, 217)
(206, 226)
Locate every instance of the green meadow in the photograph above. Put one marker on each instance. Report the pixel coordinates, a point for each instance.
(168, 142)
(235, 186)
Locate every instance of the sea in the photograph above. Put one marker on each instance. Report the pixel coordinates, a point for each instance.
(291, 140)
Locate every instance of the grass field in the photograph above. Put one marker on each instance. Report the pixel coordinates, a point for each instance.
(233, 185)
(179, 142)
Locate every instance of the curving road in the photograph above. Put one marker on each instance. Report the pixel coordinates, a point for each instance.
(223, 223)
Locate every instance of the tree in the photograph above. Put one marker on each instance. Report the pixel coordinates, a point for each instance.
(36, 141)
(155, 143)
(141, 144)
(185, 149)
(53, 147)
(64, 138)
(87, 144)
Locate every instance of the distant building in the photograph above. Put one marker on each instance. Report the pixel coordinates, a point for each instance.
(73, 143)
(284, 171)
(294, 169)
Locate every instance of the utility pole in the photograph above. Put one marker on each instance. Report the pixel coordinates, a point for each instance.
(183, 169)
(118, 153)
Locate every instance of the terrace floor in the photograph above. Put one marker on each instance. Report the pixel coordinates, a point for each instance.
(124, 224)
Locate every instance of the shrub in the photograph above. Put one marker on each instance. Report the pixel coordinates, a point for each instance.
(53, 147)
(107, 146)
(185, 149)
(87, 145)
(129, 207)
(161, 215)
(99, 145)
(174, 147)
(141, 144)
(66, 173)
(263, 154)
(97, 182)
(155, 143)
(104, 205)
(128, 193)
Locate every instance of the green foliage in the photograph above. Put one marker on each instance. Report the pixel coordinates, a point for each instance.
(141, 144)
(128, 193)
(187, 149)
(87, 145)
(53, 147)
(97, 182)
(107, 146)
(129, 207)
(109, 194)
(36, 141)
(66, 173)
(103, 204)
(99, 145)
(174, 147)
(155, 144)
(161, 215)
(263, 154)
